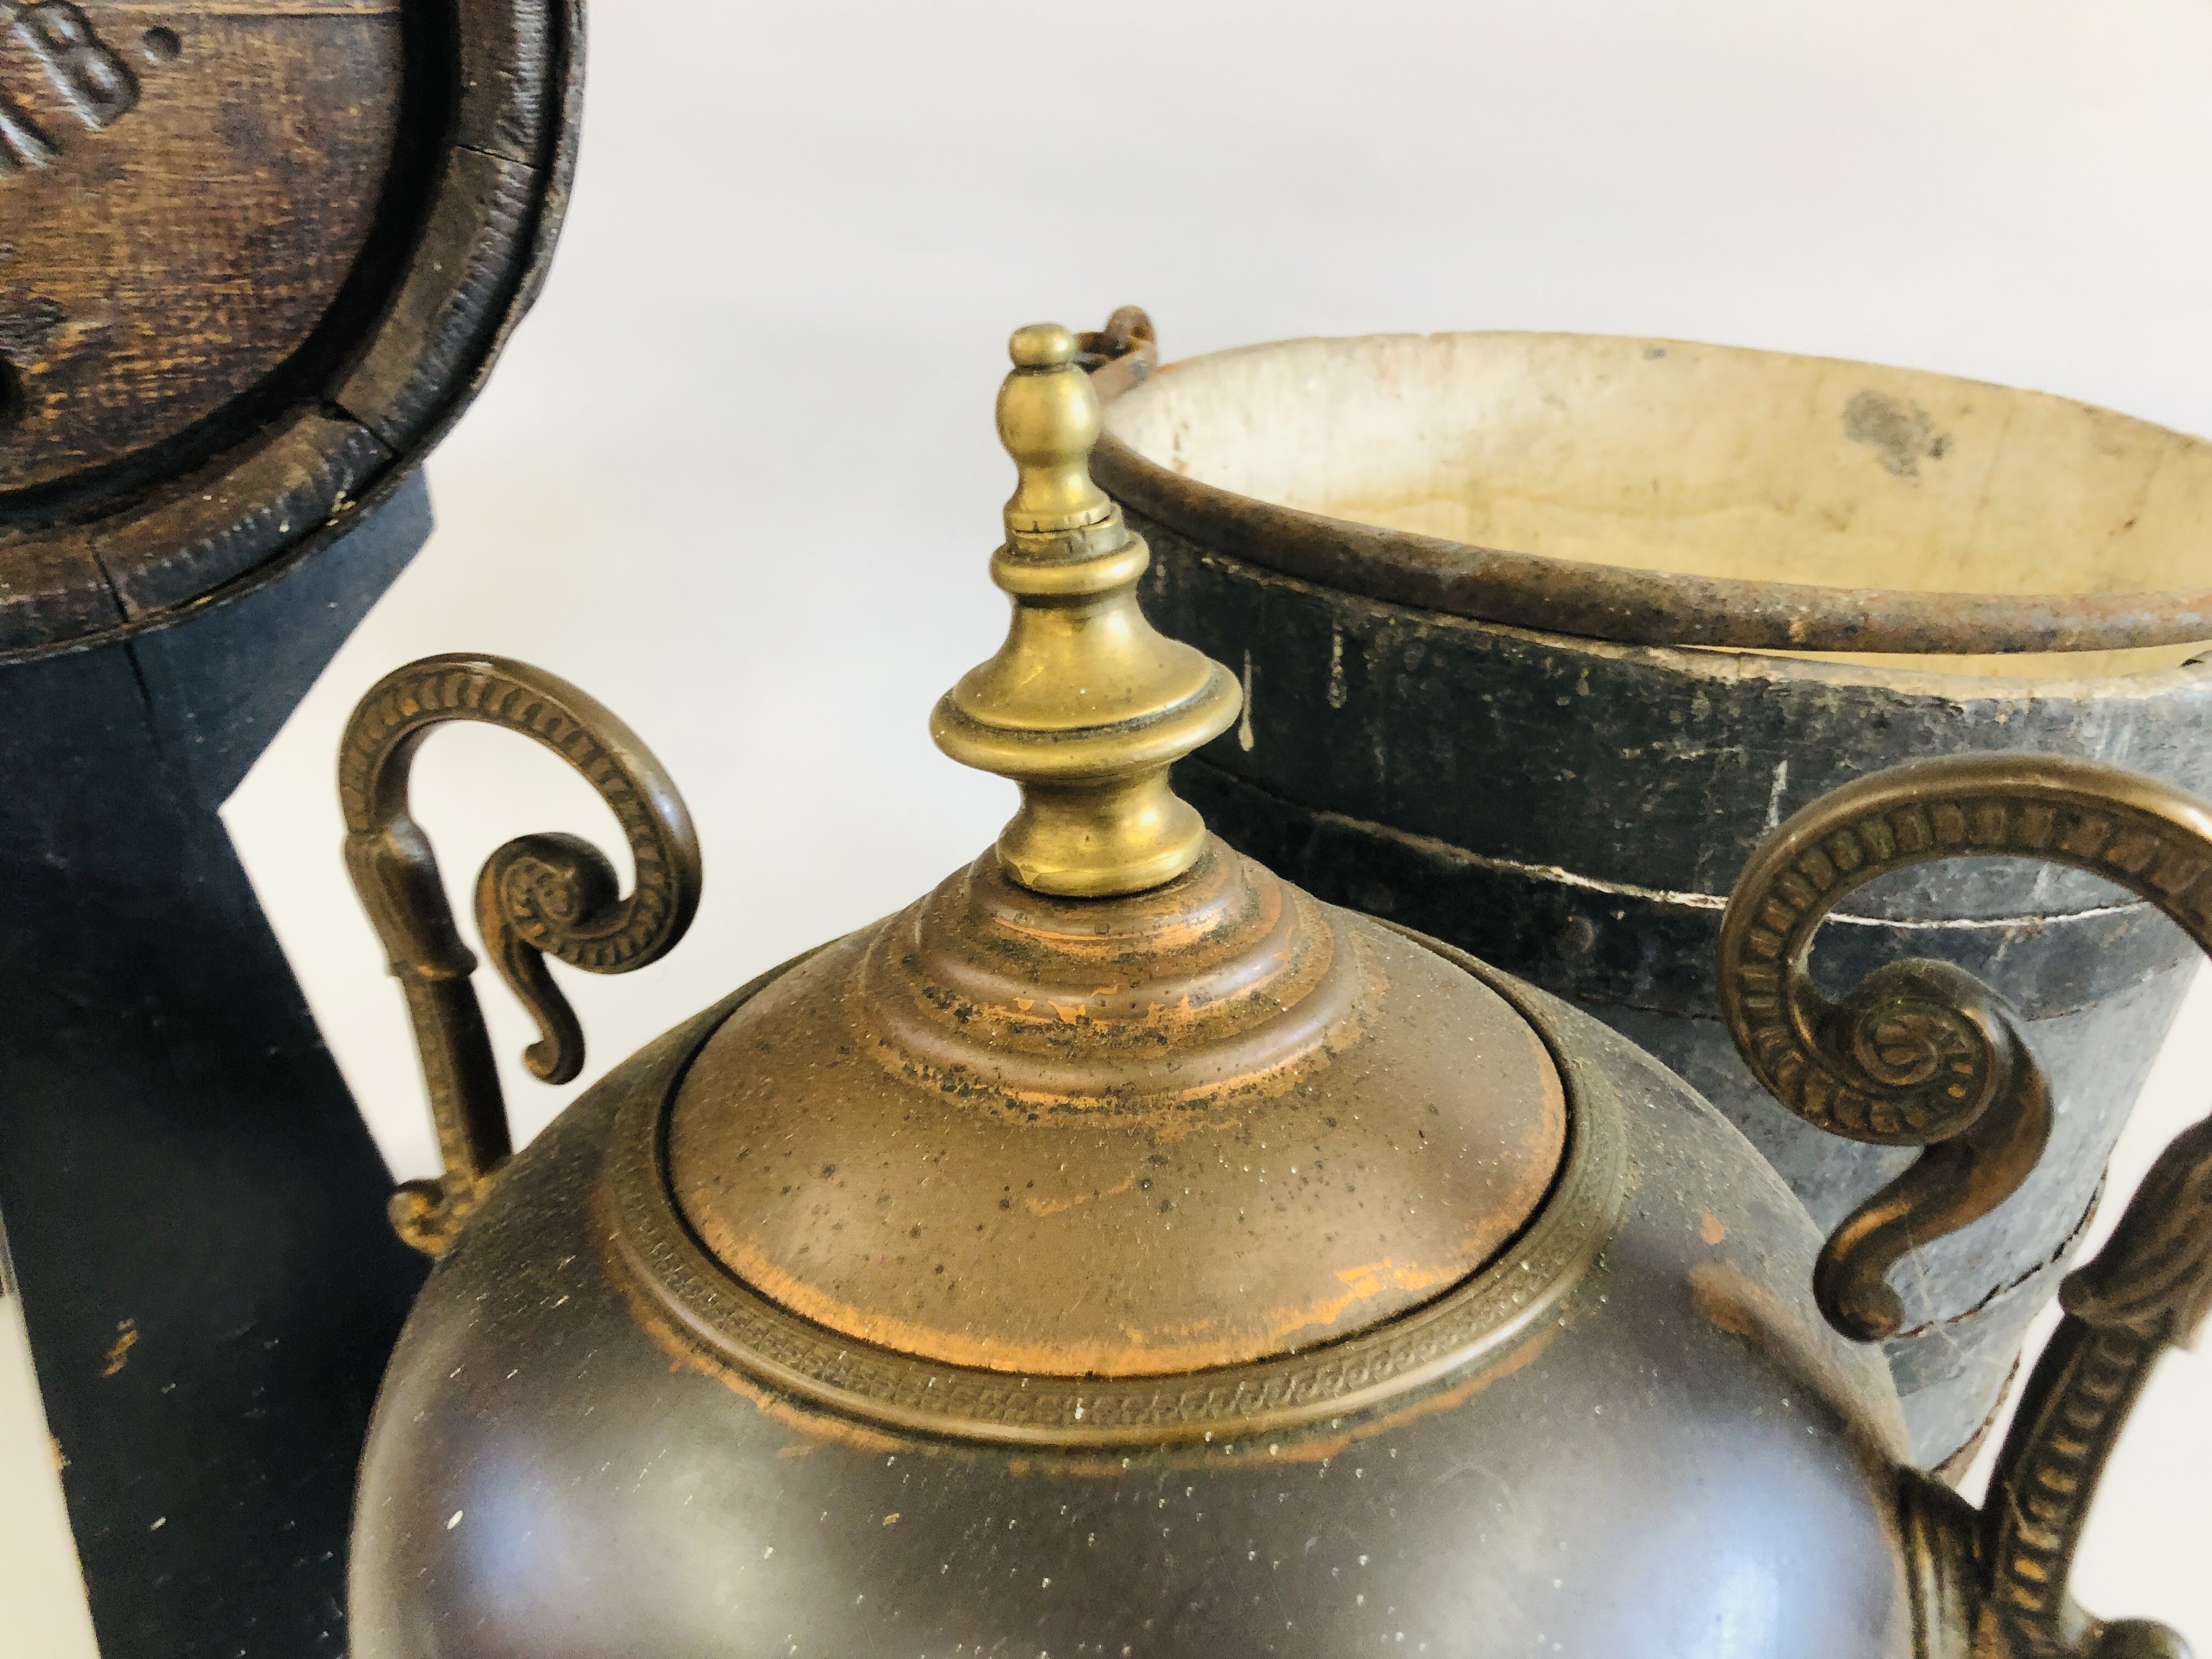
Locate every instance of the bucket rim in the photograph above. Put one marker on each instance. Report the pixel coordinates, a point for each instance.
(1614, 603)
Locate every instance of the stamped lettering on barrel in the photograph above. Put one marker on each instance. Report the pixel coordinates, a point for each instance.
(86, 74)
(84, 70)
(22, 145)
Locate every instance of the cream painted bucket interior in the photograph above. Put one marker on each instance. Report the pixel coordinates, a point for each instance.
(1708, 460)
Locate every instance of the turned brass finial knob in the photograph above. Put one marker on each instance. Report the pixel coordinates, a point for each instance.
(1047, 420)
(1086, 705)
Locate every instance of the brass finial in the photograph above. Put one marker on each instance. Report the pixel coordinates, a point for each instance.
(1086, 705)
(1047, 422)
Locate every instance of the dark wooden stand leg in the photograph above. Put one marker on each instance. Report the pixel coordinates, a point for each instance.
(195, 1209)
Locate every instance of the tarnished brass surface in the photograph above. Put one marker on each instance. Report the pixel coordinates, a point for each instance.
(1623, 1430)
(1114, 1101)
(1917, 1057)
(1070, 1242)
(1086, 705)
(1228, 984)
(1060, 1266)
(1037, 1254)
(2148, 1290)
(1208, 1125)
(1922, 1054)
(537, 896)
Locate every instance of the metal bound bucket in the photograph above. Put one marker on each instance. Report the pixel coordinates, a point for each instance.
(1540, 633)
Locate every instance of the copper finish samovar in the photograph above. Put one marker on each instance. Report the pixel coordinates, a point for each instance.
(1119, 1252)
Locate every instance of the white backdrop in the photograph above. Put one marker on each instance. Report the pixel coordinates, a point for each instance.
(737, 475)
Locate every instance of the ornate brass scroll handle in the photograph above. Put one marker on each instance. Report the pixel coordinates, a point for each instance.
(2148, 1289)
(1923, 1053)
(538, 896)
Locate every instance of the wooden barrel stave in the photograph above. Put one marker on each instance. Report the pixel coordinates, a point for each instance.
(192, 540)
(243, 289)
(372, 192)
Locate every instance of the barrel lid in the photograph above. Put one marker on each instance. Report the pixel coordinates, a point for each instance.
(1114, 1101)
(255, 257)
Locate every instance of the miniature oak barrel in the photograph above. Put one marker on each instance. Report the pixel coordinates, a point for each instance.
(255, 256)
(1496, 602)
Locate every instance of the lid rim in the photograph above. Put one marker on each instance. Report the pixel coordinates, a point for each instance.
(703, 1312)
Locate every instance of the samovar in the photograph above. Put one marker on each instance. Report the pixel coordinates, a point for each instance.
(1119, 1251)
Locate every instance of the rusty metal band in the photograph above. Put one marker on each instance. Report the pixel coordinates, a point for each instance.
(1472, 1323)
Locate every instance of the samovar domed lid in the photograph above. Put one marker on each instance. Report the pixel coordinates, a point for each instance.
(1115, 1100)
